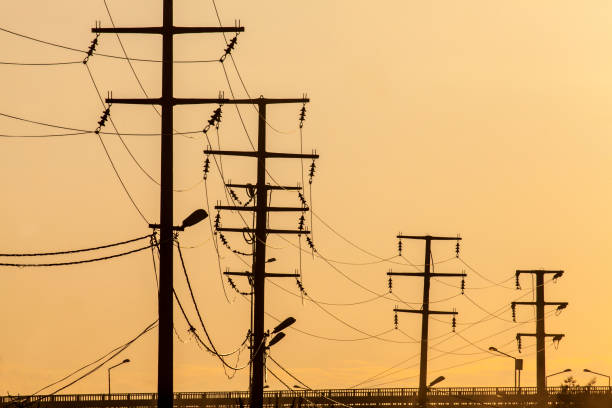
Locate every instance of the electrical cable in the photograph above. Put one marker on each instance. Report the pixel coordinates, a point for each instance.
(103, 258)
(99, 54)
(500, 284)
(74, 251)
(111, 160)
(45, 64)
(113, 353)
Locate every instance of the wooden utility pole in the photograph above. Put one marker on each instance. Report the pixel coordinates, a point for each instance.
(425, 312)
(261, 209)
(540, 333)
(165, 387)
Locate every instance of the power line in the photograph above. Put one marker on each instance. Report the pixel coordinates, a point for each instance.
(74, 251)
(53, 44)
(39, 63)
(103, 258)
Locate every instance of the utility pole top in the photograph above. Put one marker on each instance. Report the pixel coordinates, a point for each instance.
(429, 237)
(172, 29)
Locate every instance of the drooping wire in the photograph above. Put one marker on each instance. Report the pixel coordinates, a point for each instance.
(74, 251)
(99, 54)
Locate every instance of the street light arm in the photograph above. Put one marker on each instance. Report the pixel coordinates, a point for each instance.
(493, 349)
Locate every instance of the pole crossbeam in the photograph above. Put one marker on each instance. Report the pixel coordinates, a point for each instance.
(171, 30)
(267, 187)
(204, 101)
(540, 333)
(254, 208)
(267, 230)
(268, 275)
(425, 312)
(433, 275)
(272, 155)
(434, 312)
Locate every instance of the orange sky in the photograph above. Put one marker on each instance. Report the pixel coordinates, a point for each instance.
(480, 118)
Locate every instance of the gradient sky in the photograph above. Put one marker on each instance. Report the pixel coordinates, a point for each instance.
(488, 119)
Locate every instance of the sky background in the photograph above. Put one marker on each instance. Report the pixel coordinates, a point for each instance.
(487, 119)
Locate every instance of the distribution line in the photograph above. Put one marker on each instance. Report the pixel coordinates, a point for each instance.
(98, 54)
(110, 158)
(74, 251)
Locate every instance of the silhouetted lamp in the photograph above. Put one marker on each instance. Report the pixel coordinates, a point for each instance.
(436, 381)
(193, 218)
(284, 324)
(586, 370)
(127, 360)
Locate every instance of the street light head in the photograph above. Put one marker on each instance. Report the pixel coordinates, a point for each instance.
(436, 381)
(586, 370)
(194, 218)
(492, 348)
(567, 370)
(284, 324)
(127, 360)
(271, 260)
(276, 339)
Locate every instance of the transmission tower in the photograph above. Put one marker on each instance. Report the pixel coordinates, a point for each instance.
(540, 333)
(261, 209)
(425, 312)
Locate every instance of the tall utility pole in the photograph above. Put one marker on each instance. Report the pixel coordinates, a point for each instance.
(540, 333)
(167, 102)
(261, 231)
(425, 312)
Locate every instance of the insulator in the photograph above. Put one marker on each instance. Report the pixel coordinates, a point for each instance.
(302, 199)
(513, 312)
(300, 286)
(206, 168)
(234, 196)
(399, 247)
(92, 48)
(228, 49)
(310, 243)
(518, 342)
(395, 320)
(311, 173)
(103, 119)
(457, 249)
(390, 285)
(217, 220)
(463, 285)
(518, 284)
(302, 115)
(454, 323)
(301, 222)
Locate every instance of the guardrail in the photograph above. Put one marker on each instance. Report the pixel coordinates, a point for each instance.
(361, 397)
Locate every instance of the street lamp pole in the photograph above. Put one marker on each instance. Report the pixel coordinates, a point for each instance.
(518, 365)
(586, 370)
(567, 370)
(127, 360)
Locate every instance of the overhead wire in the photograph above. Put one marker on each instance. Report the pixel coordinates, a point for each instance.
(109, 156)
(74, 251)
(97, 53)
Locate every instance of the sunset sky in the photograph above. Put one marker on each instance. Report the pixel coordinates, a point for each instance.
(487, 119)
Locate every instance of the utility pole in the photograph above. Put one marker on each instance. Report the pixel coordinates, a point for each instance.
(540, 333)
(261, 210)
(165, 390)
(425, 312)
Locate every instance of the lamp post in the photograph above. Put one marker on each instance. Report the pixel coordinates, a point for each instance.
(567, 370)
(127, 360)
(518, 365)
(586, 370)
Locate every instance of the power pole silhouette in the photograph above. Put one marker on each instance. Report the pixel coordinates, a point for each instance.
(261, 209)
(165, 374)
(425, 312)
(540, 333)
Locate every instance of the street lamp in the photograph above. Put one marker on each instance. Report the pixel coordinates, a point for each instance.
(567, 370)
(127, 360)
(586, 370)
(192, 219)
(436, 381)
(518, 365)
